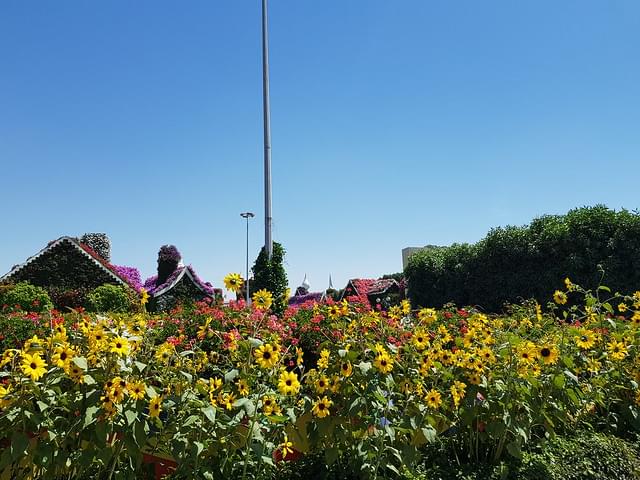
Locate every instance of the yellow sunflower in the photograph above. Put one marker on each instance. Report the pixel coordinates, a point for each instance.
(420, 340)
(427, 315)
(321, 407)
(267, 356)
(383, 362)
(33, 366)
(322, 384)
(233, 282)
(433, 399)
(346, 369)
(560, 297)
(548, 353)
(617, 350)
(334, 311)
(136, 390)
(144, 296)
(285, 447)
(62, 356)
(288, 383)
(243, 387)
(585, 339)
(270, 406)
(457, 392)
(120, 346)
(262, 299)
(155, 405)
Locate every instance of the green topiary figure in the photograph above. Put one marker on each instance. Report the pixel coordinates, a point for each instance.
(270, 275)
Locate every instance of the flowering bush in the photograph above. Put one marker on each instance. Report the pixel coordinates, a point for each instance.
(24, 296)
(227, 392)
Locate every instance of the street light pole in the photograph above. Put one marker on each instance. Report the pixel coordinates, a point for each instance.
(268, 241)
(247, 216)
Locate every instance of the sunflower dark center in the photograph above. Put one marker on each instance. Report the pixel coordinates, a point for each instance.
(33, 365)
(545, 352)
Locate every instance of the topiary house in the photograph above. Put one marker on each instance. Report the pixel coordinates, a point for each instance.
(176, 283)
(382, 292)
(68, 269)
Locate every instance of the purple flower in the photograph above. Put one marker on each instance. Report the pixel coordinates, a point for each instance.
(131, 275)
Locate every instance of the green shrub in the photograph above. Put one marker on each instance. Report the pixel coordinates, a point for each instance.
(26, 297)
(110, 298)
(65, 299)
(515, 263)
(583, 456)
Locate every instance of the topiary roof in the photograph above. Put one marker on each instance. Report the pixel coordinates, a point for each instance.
(173, 280)
(86, 252)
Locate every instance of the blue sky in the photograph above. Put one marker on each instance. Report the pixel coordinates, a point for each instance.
(394, 124)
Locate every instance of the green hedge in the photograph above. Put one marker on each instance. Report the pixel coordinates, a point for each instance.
(515, 263)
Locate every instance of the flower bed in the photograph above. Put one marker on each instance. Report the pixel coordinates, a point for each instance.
(228, 392)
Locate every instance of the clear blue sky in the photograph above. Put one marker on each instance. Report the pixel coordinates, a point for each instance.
(395, 123)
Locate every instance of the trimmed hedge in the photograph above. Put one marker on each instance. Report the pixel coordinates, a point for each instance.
(515, 263)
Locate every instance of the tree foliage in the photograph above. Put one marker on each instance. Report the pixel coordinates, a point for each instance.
(270, 275)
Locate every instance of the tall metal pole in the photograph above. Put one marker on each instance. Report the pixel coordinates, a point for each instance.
(247, 215)
(268, 241)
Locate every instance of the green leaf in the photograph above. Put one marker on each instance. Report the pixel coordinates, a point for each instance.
(394, 469)
(496, 429)
(559, 381)
(342, 352)
(247, 404)
(19, 444)
(230, 375)
(42, 406)
(604, 288)
(190, 420)
(364, 367)
(140, 366)
(331, 455)
(188, 376)
(101, 435)
(151, 392)
(89, 415)
(139, 434)
(255, 342)
(210, 413)
(571, 375)
(199, 448)
(429, 433)
(514, 449)
(278, 418)
(131, 416)
(80, 362)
